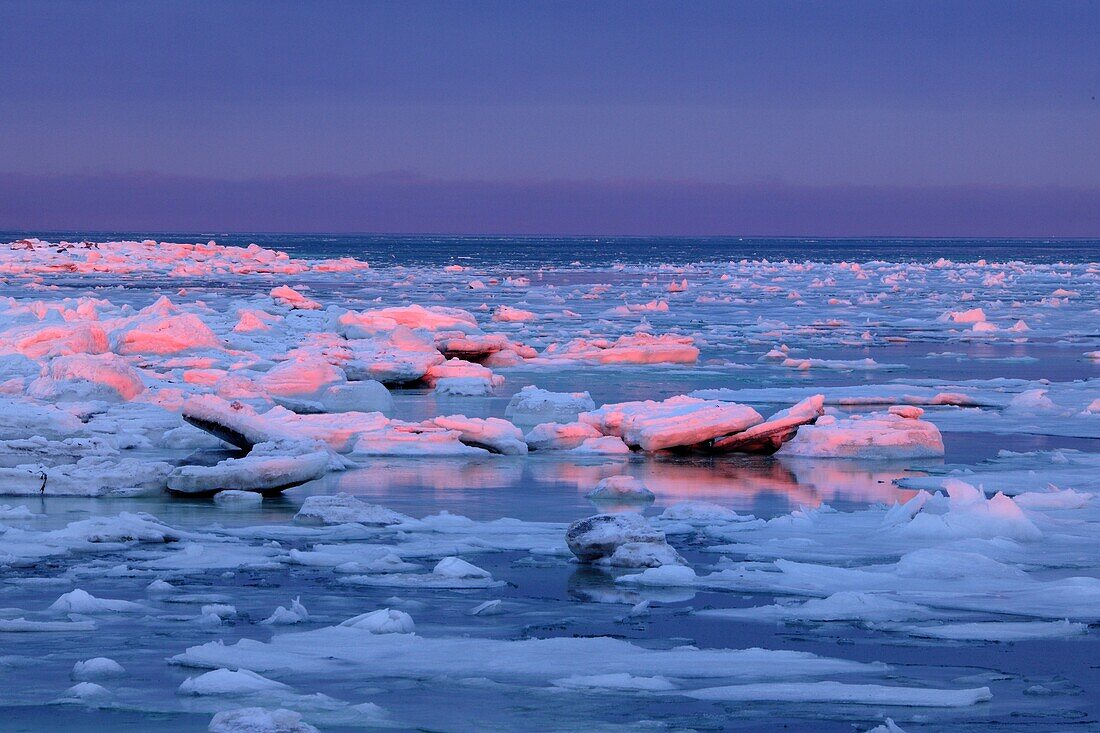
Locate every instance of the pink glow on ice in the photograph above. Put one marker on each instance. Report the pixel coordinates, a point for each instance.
(40, 341)
(304, 377)
(251, 319)
(102, 370)
(167, 335)
(287, 296)
(639, 348)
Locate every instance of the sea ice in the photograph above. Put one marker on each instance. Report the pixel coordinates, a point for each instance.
(228, 682)
(382, 621)
(268, 467)
(82, 602)
(621, 488)
(286, 365)
(238, 499)
(876, 436)
(601, 535)
(838, 692)
(531, 406)
(259, 720)
(676, 422)
(97, 668)
(344, 509)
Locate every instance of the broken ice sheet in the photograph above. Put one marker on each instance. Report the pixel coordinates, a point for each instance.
(427, 434)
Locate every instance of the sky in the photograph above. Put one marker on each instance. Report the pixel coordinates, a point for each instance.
(837, 118)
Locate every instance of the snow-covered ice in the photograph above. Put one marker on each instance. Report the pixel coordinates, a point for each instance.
(894, 435)
(266, 493)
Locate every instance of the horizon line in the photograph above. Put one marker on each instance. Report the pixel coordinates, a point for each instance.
(35, 232)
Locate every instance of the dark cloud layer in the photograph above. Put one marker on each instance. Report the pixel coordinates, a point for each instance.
(399, 203)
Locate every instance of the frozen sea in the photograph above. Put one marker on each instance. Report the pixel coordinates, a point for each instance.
(813, 605)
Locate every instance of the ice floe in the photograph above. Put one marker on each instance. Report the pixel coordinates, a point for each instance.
(259, 720)
(876, 436)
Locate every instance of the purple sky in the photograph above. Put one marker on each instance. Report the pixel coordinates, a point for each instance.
(802, 118)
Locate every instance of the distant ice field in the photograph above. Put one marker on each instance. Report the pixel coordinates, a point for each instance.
(504, 251)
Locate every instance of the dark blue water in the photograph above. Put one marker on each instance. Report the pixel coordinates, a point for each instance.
(407, 249)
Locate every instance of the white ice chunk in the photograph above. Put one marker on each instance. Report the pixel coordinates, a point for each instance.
(97, 668)
(532, 405)
(382, 621)
(340, 650)
(838, 692)
(1004, 631)
(238, 499)
(229, 682)
(266, 468)
(345, 509)
(83, 602)
(283, 615)
(671, 574)
(259, 720)
(621, 488)
(87, 692)
(456, 567)
(616, 681)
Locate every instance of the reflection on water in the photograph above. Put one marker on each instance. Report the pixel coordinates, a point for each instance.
(551, 488)
(596, 585)
(534, 488)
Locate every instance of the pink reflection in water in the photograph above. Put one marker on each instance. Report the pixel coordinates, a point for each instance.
(740, 483)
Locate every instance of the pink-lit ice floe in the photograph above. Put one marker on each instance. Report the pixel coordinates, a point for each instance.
(896, 434)
(638, 348)
(681, 422)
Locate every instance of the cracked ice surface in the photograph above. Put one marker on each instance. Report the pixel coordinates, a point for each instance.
(911, 534)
